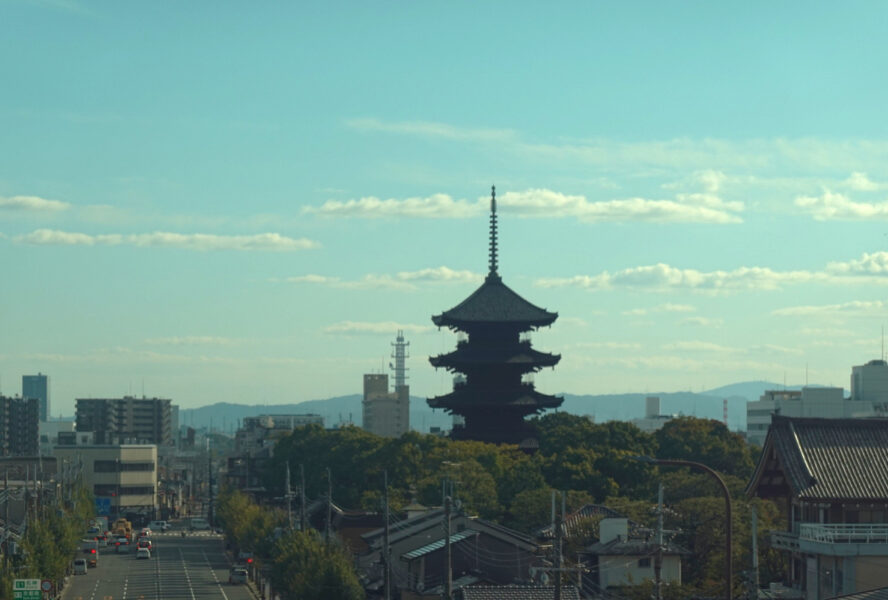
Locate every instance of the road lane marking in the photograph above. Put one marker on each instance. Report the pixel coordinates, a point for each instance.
(213, 572)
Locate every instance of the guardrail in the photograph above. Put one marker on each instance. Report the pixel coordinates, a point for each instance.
(857, 533)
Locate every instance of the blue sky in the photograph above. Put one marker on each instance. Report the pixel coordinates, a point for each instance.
(243, 202)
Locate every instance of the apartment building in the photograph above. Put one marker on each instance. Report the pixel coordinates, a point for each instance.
(127, 420)
(19, 426)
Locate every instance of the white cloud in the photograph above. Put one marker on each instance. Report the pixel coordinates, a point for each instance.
(686, 208)
(403, 280)
(662, 308)
(662, 277)
(437, 206)
(384, 327)
(853, 308)
(860, 182)
(430, 129)
(702, 322)
(31, 204)
(608, 345)
(875, 264)
(191, 241)
(698, 346)
(190, 340)
(542, 203)
(834, 206)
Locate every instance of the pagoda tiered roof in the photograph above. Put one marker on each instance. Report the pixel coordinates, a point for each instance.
(469, 355)
(529, 401)
(494, 302)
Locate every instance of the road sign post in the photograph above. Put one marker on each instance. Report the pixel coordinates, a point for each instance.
(26, 589)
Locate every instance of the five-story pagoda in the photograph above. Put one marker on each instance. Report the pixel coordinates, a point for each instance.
(494, 396)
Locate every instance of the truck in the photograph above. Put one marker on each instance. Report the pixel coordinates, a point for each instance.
(101, 523)
(122, 528)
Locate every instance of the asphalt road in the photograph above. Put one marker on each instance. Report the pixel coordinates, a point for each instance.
(190, 568)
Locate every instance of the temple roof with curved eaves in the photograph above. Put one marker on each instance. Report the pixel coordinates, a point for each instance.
(494, 302)
(521, 355)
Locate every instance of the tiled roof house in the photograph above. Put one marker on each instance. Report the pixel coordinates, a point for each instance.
(830, 479)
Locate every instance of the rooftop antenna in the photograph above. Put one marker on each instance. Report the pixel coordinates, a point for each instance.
(883, 342)
(399, 353)
(493, 253)
(806, 374)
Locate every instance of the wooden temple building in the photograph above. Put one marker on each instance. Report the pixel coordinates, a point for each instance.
(494, 395)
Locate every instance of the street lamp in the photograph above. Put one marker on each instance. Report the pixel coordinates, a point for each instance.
(729, 575)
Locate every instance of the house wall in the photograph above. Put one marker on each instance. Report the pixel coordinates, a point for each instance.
(627, 570)
(868, 572)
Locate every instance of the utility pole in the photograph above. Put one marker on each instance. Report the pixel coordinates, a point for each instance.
(302, 522)
(289, 495)
(658, 559)
(329, 504)
(448, 576)
(755, 556)
(386, 550)
(559, 525)
(210, 485)
(6, 522)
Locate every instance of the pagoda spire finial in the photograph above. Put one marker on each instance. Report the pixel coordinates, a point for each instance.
(493, 249)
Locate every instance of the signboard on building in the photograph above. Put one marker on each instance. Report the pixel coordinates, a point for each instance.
(103, 506)
(26, 589)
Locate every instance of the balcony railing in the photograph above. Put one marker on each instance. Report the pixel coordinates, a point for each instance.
(784, 540)
(845, 533)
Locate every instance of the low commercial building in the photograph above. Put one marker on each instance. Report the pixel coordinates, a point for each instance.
(123, 478)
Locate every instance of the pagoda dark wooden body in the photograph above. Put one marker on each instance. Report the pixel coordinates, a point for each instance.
(493, 396)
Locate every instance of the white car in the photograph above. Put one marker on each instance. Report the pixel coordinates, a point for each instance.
(159, 525)
(80, 566)
(143, 553)
(199, 523)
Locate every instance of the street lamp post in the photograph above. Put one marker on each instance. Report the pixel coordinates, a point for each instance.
(729, 575)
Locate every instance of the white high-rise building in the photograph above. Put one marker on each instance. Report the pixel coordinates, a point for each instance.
(869, 383)
(869, 397)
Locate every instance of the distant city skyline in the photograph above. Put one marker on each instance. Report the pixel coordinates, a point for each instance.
(249, 212)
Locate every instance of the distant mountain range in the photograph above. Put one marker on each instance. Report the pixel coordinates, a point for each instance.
(608, 407)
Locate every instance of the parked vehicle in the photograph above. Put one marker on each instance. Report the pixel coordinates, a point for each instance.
(199, 523)
(159, 525)
(143, 553)
(237, 575)
(80, 566)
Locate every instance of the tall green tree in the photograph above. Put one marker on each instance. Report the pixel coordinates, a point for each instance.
(707, 441)
(305, 567)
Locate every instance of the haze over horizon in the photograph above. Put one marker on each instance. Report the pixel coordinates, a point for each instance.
(217, 203)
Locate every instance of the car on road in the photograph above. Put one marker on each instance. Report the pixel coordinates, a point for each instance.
(143, 553)
(199, 523)
(144, 543)
(123, 545)
(237, 575)
(92, 561)
(80, 566)
(159, 525)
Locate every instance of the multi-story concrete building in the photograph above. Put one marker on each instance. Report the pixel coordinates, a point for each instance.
(819, 402)
(869, 383)
(123, 478)
(652, 420)
(19, 421)
(126, 420)
(37, 386)
(385, 413)
(50, 432)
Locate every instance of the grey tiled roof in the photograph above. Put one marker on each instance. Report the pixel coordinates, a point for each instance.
(574, 520)
(494, 302)
(617, 547)
(839, 459)
(518, 592)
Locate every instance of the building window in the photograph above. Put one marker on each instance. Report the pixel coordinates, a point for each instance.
(644, 562)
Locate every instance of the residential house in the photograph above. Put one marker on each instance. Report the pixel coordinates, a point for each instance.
(482, 552)
(830, 479)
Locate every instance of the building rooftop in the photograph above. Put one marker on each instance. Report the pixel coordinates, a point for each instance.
(825, 459)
